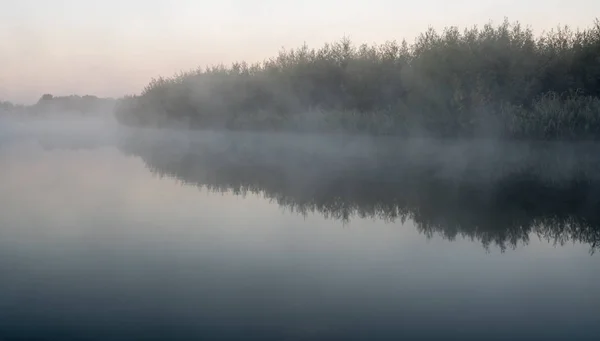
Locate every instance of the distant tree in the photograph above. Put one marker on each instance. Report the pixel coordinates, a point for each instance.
(46, 97)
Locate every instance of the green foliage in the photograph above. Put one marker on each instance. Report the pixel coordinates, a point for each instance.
(86, 104)
(7, 106)
(73, 104)
(499, 81)
(46, 97)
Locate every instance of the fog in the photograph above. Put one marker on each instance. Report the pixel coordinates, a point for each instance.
(479, 160)
(498, 192)
(438, 187)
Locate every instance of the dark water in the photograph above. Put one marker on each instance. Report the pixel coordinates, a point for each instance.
(105, 236)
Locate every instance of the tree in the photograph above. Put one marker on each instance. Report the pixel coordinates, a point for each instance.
(46, 97)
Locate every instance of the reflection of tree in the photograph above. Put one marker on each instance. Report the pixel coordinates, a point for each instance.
(486, 201)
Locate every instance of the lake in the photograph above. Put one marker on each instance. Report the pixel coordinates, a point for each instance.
(108, 234)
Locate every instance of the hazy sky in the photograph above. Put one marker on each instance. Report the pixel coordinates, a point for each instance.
(111, 48)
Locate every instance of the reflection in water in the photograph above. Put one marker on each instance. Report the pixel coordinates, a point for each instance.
(497, 194)
(94, 246)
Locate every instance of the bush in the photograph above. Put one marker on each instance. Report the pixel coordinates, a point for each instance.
(498, 81)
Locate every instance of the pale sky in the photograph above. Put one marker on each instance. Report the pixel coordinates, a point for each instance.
(112, 48)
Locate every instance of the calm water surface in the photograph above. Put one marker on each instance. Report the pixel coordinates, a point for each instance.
(99, 243)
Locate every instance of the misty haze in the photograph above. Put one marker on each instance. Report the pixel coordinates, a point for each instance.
(297, 171)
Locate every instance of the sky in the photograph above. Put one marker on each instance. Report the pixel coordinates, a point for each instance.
(111, 48)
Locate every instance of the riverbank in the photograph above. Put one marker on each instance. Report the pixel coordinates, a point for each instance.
(494, 82)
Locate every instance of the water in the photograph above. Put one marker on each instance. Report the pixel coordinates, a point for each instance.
(105, 237)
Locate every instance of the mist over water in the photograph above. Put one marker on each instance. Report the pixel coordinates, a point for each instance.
(108, 232)
(441, 189)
